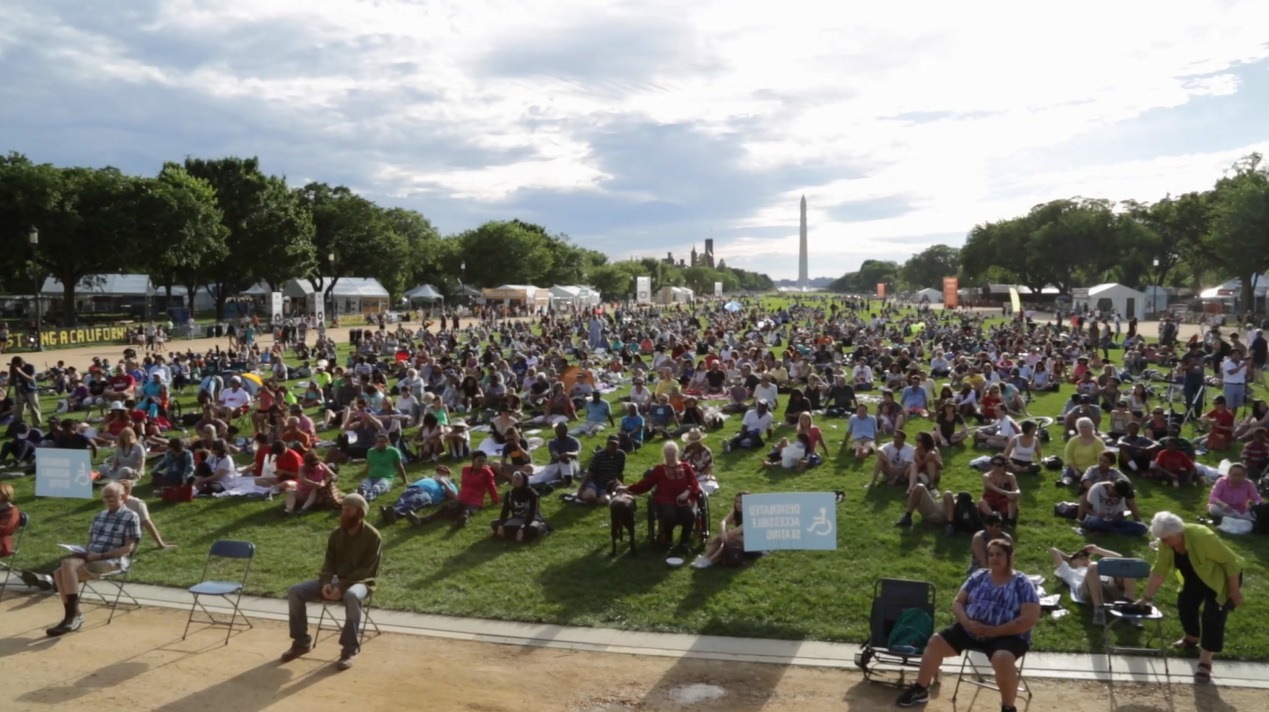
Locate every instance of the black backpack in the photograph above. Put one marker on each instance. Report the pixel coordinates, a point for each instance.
(965, 514)
(1261, 512)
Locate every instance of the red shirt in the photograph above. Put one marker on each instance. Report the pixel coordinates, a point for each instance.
(1255, 454)
(989, 406)
(474, 485)
(290, 461)
(122, 383)
(668, 488)
(1174, 461)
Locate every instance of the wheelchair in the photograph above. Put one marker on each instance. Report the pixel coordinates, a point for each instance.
(701, 524)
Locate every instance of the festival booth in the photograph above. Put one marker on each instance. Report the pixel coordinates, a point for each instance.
(677, 295)
(930, 296)
(517, 295)
(574, 296)
(1228, 296)
(1111, 298)
(100, 294)
(423, 293)
(350, 295)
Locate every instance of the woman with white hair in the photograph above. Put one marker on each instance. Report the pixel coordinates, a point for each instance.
(1211, 586)
(1081, 451)
(674, 492)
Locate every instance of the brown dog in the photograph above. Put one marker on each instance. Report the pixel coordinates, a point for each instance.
(621, 516)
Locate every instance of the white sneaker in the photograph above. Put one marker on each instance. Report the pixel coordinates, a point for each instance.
(702, 562)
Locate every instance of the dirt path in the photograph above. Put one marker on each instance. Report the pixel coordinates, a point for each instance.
(140, 663)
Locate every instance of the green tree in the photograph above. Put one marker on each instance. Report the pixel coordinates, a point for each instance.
(870, 274)
(86, 219)
(613, 282)
(352, 237)
(1240, 224)
(179, 212)
(498, 253)
(928, 267)
(269, 228)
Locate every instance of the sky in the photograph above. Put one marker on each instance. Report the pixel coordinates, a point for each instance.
(643, 127)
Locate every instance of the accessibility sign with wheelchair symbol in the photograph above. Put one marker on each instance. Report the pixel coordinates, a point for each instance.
(790, 520)
(63, 473)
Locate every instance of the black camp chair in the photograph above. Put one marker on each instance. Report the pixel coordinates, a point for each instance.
(890, 598)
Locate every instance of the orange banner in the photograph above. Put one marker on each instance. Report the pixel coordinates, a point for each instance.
(950, 287)
(881, 290)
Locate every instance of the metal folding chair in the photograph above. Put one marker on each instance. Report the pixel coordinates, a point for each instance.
(366, 619)
(1151, 621)
(223, 549)
(985, 677)
(118, 579)
(12, 564)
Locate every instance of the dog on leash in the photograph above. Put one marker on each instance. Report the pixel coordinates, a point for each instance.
(621, 517)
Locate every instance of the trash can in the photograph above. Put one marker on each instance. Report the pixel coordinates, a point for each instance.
(354, 336)
(220, 330)
(211, 331)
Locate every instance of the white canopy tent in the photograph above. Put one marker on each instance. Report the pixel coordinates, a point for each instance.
(351, 295)
(933, 296)
(424, 293)
(575, 295)
(1109, 298)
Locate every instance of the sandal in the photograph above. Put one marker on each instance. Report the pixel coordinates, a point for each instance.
(1185, 644)
(1203, 676)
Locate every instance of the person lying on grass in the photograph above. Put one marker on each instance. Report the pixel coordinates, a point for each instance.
(477, 480)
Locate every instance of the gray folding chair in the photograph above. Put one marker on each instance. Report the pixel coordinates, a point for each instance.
(12, 564)
(1149, 621)
(365, 612)
(985, 677)
(118, 579)
(243, 551)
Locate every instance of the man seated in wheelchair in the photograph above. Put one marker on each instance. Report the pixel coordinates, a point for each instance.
(112, 537)
(995, 611)
(675, 493)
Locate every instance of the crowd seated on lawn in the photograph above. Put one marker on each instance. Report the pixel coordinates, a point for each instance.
(407, 396)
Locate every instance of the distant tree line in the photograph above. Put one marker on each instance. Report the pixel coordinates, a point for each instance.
(1185, 241)
(225, 224)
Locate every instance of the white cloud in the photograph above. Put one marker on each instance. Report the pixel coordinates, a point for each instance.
(943, 104)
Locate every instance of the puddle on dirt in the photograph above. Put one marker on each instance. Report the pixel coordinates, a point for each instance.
(692, 694)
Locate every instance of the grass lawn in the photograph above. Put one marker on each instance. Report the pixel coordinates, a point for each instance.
(569, 578)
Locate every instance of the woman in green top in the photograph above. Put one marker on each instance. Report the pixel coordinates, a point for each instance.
(1211, 577)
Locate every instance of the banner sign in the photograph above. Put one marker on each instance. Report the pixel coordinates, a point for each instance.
(63, 473)
(1015, 301)
(54, 336)
(881, 290)
(718, 289)
(790, 520)
(275, 307)
(950, 288)
(643, 290)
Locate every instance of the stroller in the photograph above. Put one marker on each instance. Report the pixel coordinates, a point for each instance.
(890, 598)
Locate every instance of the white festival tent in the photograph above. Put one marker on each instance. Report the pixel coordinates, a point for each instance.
(576, 295)
(933, 296)
(1111, 297)
(424, 293)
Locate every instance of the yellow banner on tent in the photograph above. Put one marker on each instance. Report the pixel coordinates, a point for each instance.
(1015, 300)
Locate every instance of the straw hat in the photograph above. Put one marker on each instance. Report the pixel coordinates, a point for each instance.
(693, 436)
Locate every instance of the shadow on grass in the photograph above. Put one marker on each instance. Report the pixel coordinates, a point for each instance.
(588, 585)
(477, 554)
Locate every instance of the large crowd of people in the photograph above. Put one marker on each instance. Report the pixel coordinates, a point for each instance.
(904, 385)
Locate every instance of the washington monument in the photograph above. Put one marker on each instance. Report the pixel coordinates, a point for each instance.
(802, 278)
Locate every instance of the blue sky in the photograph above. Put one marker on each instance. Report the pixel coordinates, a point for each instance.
(647, 126)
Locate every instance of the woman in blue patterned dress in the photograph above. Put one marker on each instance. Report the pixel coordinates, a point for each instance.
(994, 611)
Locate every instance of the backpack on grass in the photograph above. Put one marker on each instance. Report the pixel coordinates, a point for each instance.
(965, 514)
(1261, 512)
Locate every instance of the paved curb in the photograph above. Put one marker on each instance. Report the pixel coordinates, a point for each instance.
(1057, 666)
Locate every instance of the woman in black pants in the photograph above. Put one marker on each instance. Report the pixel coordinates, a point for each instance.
(1212, 587)
(521, 518)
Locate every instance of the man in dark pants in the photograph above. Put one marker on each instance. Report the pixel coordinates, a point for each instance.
(352, 561)
(1192, 368)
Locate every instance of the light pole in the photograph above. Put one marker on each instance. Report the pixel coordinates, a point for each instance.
(330, 264)
(33, 237)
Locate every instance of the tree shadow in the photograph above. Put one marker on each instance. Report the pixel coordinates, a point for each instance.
(705, 584)
(589, 584)
(479, 553)
(100, 679)
(250, 691)
(694, 678)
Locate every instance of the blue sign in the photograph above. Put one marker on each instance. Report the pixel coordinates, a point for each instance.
(63, 473)
(790, 520)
